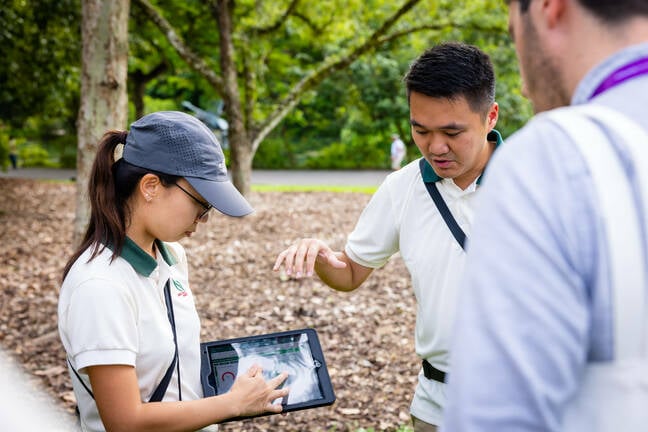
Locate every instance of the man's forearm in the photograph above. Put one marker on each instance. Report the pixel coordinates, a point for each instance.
(342, 279)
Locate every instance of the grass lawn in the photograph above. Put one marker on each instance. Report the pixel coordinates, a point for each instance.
(313, 188)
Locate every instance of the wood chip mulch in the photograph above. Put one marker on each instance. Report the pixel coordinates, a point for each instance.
(367, 335)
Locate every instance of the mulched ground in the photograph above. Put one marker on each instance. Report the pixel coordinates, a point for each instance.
(367, 335)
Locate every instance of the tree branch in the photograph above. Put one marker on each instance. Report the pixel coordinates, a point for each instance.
(318, 75)
(310, 24)
(272, 27)
(193, 60)
(439, 27)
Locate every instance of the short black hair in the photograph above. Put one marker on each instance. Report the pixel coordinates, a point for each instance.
(608, 11)
(452, 70)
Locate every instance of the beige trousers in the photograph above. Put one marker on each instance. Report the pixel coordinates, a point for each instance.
(421, 426)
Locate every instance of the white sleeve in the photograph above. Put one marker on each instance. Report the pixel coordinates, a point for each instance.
(101, 322)
(375, 237)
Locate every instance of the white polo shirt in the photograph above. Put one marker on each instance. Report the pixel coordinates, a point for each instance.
(115, 313)
(401, 217)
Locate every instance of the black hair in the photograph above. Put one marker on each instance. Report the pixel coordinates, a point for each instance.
(609, 11)
(109, 189)
(452, 70)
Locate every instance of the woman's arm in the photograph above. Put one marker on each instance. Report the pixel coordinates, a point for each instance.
(116, 393)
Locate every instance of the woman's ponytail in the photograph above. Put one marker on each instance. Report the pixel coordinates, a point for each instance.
(107, 223)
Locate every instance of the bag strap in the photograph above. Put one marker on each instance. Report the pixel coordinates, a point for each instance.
(80, 380)
(450, 221)
(161, 389)
(159, 392)
(588, 126)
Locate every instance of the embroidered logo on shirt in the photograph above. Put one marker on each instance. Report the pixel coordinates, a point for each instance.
(178, 286)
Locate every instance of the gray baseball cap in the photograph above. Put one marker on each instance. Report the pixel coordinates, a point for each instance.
(176, 143)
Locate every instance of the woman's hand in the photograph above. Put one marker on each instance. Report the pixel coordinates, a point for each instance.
(255, 395)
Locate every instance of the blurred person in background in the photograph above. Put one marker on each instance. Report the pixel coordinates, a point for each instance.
(397, 152)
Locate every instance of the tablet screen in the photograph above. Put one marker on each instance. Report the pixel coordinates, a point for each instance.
(289, 353)
(296, 352)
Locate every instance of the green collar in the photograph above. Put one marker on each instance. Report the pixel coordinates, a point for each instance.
(429, 176)
(142, 262)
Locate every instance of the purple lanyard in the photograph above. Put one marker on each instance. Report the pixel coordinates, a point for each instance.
(623, 74)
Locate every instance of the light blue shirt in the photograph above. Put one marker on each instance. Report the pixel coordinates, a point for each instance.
(535, 301)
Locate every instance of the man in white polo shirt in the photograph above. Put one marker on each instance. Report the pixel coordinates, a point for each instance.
(451, 94)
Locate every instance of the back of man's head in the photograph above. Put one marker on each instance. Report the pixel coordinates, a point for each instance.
(609, 11)
(452, 70)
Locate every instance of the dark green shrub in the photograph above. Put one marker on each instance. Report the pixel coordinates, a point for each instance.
(68, 159)
(4, 151)
(274, 153)
(358, 154)
(33, 155)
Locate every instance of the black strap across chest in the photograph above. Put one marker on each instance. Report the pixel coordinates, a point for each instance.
(441, 205)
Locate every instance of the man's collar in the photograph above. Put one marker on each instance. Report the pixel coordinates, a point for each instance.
(596, 75)
(142, 262)
(429, 176)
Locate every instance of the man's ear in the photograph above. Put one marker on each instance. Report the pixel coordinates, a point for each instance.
(552, 11)
(149, 186)
(493, 115)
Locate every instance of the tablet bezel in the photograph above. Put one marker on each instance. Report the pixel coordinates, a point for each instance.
(328, 395)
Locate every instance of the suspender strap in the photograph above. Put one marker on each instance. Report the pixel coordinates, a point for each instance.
(161, 389)
(450, 221)
(622, 213)
(433, 373)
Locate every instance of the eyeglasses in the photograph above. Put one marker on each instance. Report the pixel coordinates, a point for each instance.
(206, 207)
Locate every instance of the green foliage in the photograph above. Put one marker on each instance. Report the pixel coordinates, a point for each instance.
(275, 153)
(40, 46)
(4, 148)
(358, 153)
(347, 121)
(153, 104)
(34, 155)
(68, 159)
(344, 122)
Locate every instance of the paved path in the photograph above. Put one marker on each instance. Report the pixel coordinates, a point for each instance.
(261, 177)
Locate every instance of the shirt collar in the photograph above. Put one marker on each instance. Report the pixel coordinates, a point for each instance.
(142, 262)
(595, 77)
(429, 176)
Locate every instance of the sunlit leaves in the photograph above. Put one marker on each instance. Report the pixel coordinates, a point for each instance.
(40, 48)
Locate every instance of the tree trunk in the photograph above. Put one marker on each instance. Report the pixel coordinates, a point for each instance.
(241, 154)
(241, 157)
(104, 98)
(139, 89)
(138, 81)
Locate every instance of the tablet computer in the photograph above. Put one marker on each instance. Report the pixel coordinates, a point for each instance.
(297, 352)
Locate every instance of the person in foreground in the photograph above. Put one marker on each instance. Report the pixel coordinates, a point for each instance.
(547, 338)
(451, 95)
(126, 314)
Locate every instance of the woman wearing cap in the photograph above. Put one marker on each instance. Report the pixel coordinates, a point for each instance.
(127, 318)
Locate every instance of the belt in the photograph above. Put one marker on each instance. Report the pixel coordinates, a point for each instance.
(433, 373)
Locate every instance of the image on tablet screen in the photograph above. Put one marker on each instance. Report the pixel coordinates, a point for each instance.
(290, 354)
